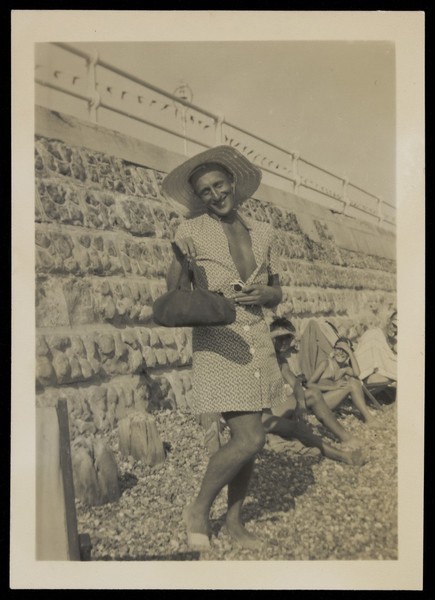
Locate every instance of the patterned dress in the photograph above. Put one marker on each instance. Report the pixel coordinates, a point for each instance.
(234, 366)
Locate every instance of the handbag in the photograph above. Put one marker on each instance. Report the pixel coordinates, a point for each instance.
(186, 307)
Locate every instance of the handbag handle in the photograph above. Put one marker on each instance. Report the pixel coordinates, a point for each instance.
(185, 269)
(184, 265)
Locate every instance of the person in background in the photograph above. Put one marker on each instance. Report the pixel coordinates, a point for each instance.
(290, 422)
(337, 377)
(376, 353)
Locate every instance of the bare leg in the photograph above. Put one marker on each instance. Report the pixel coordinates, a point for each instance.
(237, 489)
(358, 399)
(301, 431)
(335, 397)
(247, 439)
(356, 456)
(280, 425)
(315, 401)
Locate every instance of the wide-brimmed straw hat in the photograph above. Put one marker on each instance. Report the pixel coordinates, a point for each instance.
(176, 184)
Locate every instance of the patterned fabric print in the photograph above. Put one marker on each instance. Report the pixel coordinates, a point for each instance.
(234, 367)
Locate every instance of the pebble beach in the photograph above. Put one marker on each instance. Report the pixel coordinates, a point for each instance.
(303, 506)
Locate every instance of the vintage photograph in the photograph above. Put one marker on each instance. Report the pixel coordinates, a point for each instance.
(216, 306)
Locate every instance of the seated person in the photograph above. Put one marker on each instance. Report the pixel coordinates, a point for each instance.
(337, 377)
(279, 420)
(376, 354)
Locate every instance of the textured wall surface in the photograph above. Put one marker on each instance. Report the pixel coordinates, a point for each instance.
(103, 234)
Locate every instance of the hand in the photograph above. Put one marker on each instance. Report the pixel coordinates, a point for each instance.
(258, 294)
(187, 247)
(302, 379)
(300, 413)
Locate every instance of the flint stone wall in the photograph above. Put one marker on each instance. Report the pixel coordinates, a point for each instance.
(103, 233)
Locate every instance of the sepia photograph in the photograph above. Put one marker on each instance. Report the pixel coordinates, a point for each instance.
(215, 241)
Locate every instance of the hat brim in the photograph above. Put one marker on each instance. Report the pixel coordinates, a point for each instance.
(247, 177)
(281, 333)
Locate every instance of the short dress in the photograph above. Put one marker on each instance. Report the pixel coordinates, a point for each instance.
(234, 366)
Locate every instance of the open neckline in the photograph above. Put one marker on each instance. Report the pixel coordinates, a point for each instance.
(251, 234)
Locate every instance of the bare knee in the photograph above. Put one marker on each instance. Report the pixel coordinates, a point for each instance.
(313, 397)
(251, 442)
(269, 422)
(355, 384)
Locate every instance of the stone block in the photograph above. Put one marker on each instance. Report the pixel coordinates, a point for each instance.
(107, 472)
(77, 253)
(125, 393)
(92, 355)
(137, 218)
(95, 471)
(78, 298)
(50, 306)
(97, 401)
(45, 373)
(176, 393)
(61, 367)
(141, 394)
(139, 438)
(161, 357)
(149, 357)
(161, 394)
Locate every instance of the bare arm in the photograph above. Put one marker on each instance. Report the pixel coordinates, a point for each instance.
(354, 364)
(317, 373)
(324, 386)
(353, 369)
(177, 275)
(298, 390)
(276, 286)
(288, 375)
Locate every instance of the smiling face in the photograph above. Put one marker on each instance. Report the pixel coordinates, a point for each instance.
(216, 189)
(340, 355)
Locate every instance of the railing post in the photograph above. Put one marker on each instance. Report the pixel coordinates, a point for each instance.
(93, 99)
(94, 103)
(295, 169)
(218, 129)
(380, 212)
(345, 195)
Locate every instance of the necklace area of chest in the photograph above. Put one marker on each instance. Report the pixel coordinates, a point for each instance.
(240, 248)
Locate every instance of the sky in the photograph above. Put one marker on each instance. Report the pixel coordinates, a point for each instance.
(332, 101)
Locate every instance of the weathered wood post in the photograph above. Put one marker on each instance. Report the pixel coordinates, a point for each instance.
(56, 519)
